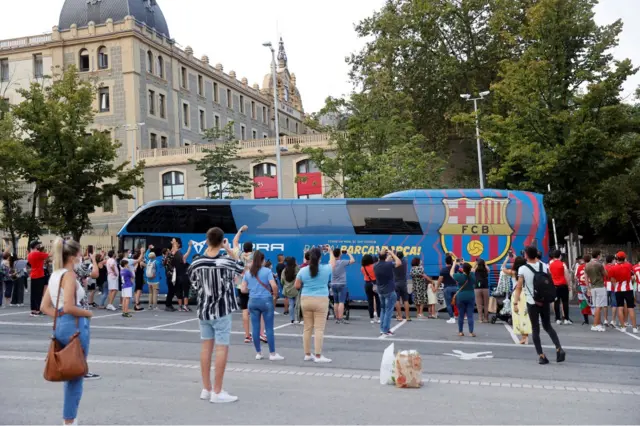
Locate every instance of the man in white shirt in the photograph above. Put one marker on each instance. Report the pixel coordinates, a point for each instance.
(538, 311)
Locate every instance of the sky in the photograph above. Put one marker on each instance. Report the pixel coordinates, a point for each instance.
(318, 35)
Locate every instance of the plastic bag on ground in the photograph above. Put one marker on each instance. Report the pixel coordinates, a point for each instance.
(408, 370)
(387, 366)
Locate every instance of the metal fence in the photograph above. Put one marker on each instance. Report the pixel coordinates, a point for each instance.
(632, 251)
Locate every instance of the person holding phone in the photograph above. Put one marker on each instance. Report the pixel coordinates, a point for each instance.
(339, 281)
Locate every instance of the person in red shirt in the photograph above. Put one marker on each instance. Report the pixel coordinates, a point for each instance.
(621, 276)
(561, 278)
(36, 259)
(611, 295)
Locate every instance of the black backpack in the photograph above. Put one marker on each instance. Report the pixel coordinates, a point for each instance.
(543, 289)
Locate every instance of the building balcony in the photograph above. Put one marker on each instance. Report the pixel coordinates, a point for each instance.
(249, 149)
(16, 43)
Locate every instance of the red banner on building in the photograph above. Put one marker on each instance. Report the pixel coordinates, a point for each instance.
(267, 187)
(310, 183)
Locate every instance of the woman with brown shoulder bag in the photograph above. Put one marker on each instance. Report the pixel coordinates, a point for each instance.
(66, 359)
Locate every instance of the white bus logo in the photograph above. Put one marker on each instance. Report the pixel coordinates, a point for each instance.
(200, 247)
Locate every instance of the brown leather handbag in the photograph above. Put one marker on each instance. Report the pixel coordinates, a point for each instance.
(64, 363)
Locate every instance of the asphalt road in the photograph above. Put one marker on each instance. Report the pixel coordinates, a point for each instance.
(150, 371)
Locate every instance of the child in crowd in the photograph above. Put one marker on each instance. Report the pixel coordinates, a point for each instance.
(153, 280)
(127, 286)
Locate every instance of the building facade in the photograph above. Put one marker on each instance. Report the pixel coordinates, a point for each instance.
(158, 100)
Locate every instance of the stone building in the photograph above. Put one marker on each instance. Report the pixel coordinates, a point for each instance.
(158, 99)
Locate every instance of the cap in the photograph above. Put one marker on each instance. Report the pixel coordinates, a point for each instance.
(621, 255)
(34, 244)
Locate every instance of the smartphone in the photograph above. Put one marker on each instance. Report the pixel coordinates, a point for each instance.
(90, 249)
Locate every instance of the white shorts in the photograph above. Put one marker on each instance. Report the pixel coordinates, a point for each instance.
(127, 292)
(113, 283)
(599, 297)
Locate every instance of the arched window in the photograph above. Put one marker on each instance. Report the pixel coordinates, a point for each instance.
(173, 186)
(264, 170)
(160, 66)
(103, 58)
(84, 61)
(306, 166)
(150, 62)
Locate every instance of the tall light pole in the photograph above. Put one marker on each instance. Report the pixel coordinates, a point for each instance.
(475, 108)
(275, 107)
(134, 128)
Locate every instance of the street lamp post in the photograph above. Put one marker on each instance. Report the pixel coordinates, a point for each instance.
(475, 108)
(277, 126)
(134, 128)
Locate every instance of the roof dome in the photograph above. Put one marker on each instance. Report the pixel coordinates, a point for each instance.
(81, 12)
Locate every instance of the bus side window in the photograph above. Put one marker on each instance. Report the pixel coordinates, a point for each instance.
(380, 217)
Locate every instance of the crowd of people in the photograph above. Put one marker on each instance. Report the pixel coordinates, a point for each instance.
(232, 277)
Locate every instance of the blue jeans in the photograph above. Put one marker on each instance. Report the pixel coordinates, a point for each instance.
(65, 328)
(448, 295)
(465, 301)
(262, 307)
(104, 295)
(292, 308)
(387, 302)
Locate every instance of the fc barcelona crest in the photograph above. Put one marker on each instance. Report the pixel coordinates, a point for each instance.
(475, 229)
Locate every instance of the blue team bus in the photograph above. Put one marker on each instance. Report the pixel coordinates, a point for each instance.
(469, 223)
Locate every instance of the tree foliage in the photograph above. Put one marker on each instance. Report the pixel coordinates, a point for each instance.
(560, 119)
(74, 167)
(13, 220)
(554, 116)
(222, 178)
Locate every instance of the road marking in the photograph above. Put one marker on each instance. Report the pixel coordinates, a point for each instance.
(282, 326)
(468, 357)
(172, 323)
(393, 329)
(628, 334)
(513, 335)
(362, 338)
(16, 313)
(628, 390)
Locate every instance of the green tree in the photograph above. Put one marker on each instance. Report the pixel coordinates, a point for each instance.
(12, 155)
(75, 167)
(560, 119)
(222, 178)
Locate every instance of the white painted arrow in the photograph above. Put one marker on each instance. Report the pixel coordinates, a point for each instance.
(468, 357)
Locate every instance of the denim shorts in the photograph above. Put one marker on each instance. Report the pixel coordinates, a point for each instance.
(217, 329)
(612, 299)
(339, 293)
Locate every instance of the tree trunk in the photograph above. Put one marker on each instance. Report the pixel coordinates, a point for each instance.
(31, 236)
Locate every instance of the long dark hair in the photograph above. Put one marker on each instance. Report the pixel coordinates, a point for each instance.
(481, 267)
(290, 269)
(258, 257)
(517, 263)
(367, 260)
(314, 261)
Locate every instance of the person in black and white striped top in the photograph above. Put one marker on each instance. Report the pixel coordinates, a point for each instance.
(213, 276)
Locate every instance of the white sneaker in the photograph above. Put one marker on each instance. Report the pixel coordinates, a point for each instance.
(259, 357)
(276, 357)
(111, 308)
(606, 323)
(372, 321)
(321, 360)
(377, 320)
(568, 322)
(276, 313)
(301, 322)
(559, 322)
(309, 357)
(451, 321)
(624, 329)
(635, 330)
(222, 398)
(602, 328)
(205, 394)
(595, 328)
